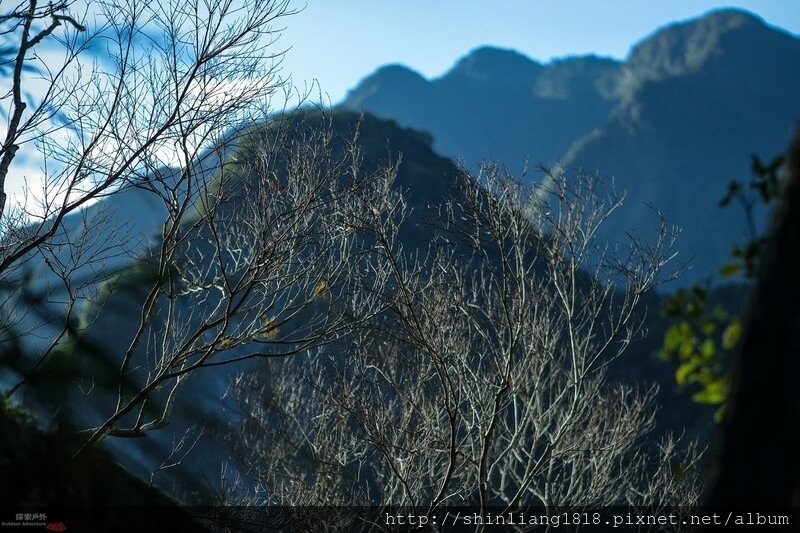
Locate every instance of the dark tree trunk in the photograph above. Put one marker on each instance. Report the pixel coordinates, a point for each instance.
(759, 454)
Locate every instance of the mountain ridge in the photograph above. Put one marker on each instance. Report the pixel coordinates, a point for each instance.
(687, 108)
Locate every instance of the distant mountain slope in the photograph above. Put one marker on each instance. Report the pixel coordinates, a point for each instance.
(708, 95)
(496, 104)
(673, 124)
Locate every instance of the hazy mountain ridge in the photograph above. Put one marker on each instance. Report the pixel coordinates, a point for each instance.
(493, 101)
(686, 110)
(710, 41)
(691, 126)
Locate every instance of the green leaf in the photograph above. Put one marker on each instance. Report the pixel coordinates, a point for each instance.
(686, 349)
(675, 336)
(731, 335)
(708, 349)
(719, 414)
(685, 371)
(720, 313)
(674, 304)
(731, 269)
(733, 189)
(714, 392)
(699, 292)
(694, 310)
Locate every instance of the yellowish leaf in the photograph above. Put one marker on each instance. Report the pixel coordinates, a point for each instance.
(269, 329)
(320, 287)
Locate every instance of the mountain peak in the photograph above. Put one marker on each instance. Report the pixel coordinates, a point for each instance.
(730, 17)
(394, 74)
(683, 47)
(490, 63)
(396, 77)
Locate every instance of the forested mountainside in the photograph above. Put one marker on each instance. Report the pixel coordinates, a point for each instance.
(204, 409)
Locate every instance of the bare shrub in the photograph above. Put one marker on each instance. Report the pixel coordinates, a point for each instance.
(483, 382)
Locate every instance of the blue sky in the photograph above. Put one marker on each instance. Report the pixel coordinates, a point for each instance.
(337, 42)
